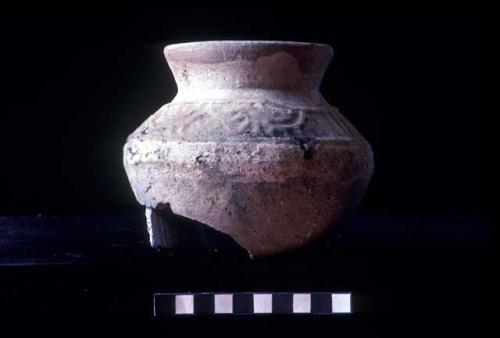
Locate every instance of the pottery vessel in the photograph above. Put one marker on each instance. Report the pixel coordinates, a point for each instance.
(249, 146)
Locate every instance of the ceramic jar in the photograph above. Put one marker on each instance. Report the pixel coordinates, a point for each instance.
(249, 146)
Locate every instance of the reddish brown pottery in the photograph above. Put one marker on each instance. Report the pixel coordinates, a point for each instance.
(249, 146)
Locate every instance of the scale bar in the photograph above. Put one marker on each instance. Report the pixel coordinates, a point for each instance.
(250, 303)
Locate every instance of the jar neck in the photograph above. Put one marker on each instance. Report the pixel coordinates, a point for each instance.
(278, 71)
(228, 65)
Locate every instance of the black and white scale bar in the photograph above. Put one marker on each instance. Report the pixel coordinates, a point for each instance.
(170, 304)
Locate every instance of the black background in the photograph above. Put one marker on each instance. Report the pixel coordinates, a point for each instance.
(76, 81)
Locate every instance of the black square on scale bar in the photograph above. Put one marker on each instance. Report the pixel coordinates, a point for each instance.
(243, 303)
(283, 302)
(164, 305)
(203, 303)
(321, 303)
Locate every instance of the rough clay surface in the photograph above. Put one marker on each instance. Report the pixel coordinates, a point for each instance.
(249, 146)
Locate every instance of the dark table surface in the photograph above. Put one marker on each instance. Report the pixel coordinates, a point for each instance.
(409, 274)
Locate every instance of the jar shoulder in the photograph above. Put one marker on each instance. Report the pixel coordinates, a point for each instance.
(220, 121)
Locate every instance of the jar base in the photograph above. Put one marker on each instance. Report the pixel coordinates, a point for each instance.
(168, 230)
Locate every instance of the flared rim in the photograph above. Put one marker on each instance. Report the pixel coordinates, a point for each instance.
(252, 59)
(218, 43)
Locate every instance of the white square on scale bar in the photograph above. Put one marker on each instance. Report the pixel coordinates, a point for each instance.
(184, 304)
(223, 303)
(341, 303)
(301, 302)
(262, 303)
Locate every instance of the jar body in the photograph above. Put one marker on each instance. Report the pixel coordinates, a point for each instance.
(272, 168)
